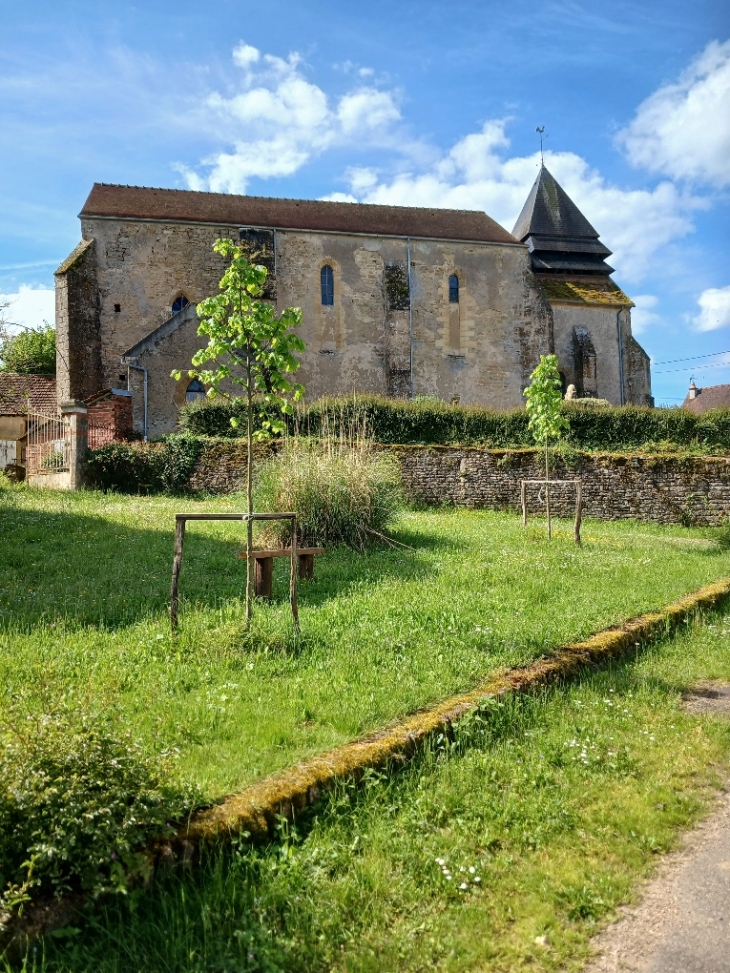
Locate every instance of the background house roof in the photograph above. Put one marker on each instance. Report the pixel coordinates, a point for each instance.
(18, 392)
(181, 205)
(712, 397)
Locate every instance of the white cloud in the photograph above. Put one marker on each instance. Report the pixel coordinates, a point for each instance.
(683, 129)
(714, 304)
(29, 307)
(643, 315)
(478, 173)
(279, 121)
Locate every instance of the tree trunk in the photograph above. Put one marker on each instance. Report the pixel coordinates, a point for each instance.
(547, 488)
(249, 492)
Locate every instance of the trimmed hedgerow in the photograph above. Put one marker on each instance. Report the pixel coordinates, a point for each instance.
(164, 465)
(431, 422)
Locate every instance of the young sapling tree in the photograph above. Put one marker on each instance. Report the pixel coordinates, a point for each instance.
(252, 347)
(546, 422)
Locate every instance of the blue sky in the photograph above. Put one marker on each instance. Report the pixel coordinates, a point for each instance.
(410, 102)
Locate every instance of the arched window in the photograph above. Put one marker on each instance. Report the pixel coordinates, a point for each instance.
(328, 285)
(179, 303)
(194, 391)
(453, 289)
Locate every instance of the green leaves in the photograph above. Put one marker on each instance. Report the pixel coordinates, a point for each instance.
(29, 352)
(544, 399)
(249, 345)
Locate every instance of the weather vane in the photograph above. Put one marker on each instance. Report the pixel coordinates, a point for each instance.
(540, 129)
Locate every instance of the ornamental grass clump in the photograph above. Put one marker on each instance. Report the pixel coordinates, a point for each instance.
(343, 491)
(79, 800)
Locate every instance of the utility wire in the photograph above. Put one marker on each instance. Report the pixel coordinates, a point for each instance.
(673, 361)
(692, 368)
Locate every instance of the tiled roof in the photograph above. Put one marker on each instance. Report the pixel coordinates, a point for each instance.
(181, 205)
(712, 397)
(18, 392)
(598, 290)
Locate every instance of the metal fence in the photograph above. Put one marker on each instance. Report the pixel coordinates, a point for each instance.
(48, 443)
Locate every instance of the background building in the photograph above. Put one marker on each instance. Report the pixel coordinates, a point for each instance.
(399, 301)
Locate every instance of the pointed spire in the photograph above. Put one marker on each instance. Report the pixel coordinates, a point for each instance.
(559, 236)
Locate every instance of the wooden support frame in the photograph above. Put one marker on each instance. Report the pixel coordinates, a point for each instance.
(180, 523)
(547, 484)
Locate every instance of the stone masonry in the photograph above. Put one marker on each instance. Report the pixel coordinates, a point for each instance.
(690, 490)
(391, 328)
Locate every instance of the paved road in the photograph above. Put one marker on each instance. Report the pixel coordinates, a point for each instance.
(682, 923)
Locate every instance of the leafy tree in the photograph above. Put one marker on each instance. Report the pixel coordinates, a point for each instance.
(30, 352)
(254, 348)
(544, 398)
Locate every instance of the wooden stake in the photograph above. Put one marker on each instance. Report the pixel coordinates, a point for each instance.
(293, 578)
(578, 511)
(523, 498)
(176, 566)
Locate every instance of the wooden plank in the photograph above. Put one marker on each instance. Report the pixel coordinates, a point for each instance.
(283, 552)
(244, 517)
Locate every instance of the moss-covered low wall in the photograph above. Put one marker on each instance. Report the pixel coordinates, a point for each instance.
(665, 488)
(668, 489)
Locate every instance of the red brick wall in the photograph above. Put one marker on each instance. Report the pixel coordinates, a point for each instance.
(110, 419)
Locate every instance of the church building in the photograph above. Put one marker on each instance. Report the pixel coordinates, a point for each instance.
(398, 301)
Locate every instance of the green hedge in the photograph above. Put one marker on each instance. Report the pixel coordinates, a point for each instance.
(429, 421)
(164, 465)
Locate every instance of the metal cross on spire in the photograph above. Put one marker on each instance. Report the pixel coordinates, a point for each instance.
(540, 129)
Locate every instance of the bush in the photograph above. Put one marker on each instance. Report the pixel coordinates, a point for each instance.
(157, 466)
(425, 421)
(78, 802)
(342, 491)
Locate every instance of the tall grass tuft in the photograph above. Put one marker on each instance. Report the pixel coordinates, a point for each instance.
(343, 490)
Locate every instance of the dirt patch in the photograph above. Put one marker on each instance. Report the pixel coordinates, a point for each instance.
(708, 697)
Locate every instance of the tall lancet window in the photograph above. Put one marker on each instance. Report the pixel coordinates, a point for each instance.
(327, 278)
(453, 289)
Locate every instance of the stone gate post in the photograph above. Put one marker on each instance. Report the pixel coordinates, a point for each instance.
(76, 412)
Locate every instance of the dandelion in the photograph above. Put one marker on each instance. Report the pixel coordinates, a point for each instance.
(471, 869)
(464, 885)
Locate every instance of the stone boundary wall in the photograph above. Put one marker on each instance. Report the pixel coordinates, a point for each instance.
(691, 490)
(221, 465)
(666, 489)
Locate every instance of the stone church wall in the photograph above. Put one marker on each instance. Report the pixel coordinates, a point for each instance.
(78, 326)
(481, 350)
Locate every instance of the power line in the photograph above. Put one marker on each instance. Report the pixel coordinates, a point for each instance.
(673, 361)
(692, 368)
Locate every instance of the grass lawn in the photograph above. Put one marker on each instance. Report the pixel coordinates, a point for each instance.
(84, 596)
(502, 851)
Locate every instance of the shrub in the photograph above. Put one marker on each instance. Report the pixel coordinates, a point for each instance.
(78, 802)
(162, 465)
(342, 491)
(429, 421)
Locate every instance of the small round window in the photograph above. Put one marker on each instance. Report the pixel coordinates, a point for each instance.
(179, 303)
(195, 391)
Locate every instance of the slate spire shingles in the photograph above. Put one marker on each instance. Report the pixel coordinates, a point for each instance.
(560, 238)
